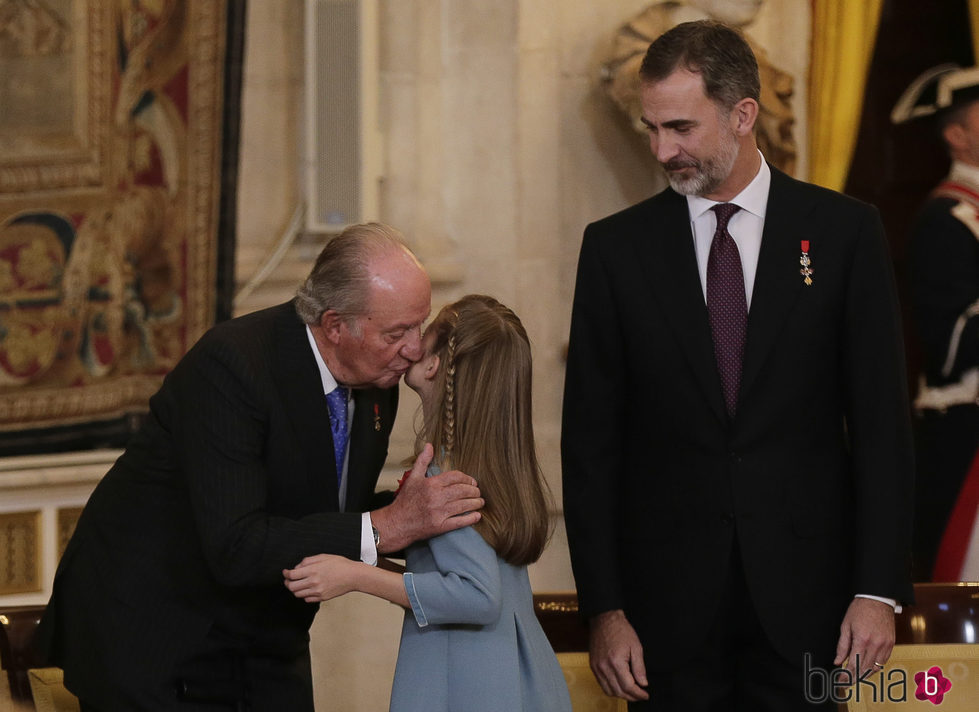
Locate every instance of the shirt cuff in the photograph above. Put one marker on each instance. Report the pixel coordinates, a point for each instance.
(889, 601)
(368, 552)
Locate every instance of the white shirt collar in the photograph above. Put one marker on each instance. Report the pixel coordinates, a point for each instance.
(964, 173)
(753, 199)
(329, 382)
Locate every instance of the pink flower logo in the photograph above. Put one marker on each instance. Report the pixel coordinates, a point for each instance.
(932, 685)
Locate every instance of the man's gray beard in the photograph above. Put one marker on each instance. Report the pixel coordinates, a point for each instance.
(697, 184)
(711, 174)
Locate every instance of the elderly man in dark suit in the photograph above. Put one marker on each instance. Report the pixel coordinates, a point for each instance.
(262, 447)
(736, 438)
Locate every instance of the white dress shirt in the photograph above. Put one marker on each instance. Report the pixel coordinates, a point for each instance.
(745, 227)
(368, 552)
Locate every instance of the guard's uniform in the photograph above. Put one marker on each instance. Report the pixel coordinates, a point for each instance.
(945, 289)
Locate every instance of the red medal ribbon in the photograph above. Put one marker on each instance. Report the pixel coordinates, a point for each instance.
(805, 245)
(402, 480)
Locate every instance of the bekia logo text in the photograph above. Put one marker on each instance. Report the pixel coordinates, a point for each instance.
(841, 685)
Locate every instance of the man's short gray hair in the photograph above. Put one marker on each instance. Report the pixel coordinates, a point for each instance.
(340, 280)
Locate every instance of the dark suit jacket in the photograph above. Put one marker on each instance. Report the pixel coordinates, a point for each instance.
(812, 477)
(178, 555)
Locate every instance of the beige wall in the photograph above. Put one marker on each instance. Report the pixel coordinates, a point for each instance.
(271, 112)
(499, 148)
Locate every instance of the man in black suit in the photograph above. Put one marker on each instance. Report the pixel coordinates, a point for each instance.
(736, 440)
(170, 593)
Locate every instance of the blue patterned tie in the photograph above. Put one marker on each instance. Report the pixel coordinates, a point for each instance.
(726, 305)
(337, 402)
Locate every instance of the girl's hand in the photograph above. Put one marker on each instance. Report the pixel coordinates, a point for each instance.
(321, 578)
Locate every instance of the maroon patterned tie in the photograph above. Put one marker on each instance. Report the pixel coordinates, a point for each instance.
(726, 305)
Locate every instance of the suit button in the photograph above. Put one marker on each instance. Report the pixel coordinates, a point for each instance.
(735, 457)
(727, 519)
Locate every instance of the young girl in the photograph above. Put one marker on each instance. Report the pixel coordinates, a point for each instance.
(470, 640)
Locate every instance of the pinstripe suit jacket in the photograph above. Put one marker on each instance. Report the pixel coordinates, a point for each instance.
(180, 550)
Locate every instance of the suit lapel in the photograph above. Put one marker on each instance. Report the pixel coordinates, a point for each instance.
(298, 379)
(777, 281)
(667, 254)
(361, 431)
(374, 413)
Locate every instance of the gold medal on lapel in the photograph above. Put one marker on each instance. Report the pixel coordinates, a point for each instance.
(806, 263)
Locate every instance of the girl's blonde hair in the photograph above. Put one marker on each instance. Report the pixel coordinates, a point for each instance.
(480, 421)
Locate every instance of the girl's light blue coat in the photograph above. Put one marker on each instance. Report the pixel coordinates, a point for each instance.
(471, 641)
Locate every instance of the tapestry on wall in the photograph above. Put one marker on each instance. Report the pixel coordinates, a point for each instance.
(118, 140)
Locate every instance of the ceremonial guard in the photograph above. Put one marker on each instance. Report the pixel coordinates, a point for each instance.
(944, 269)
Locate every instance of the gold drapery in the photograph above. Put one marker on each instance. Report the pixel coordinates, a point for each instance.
(974, 26)
(843, 34)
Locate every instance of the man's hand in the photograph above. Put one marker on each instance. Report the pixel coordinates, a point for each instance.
(868, 632)
(426, 506)
(616, 657)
